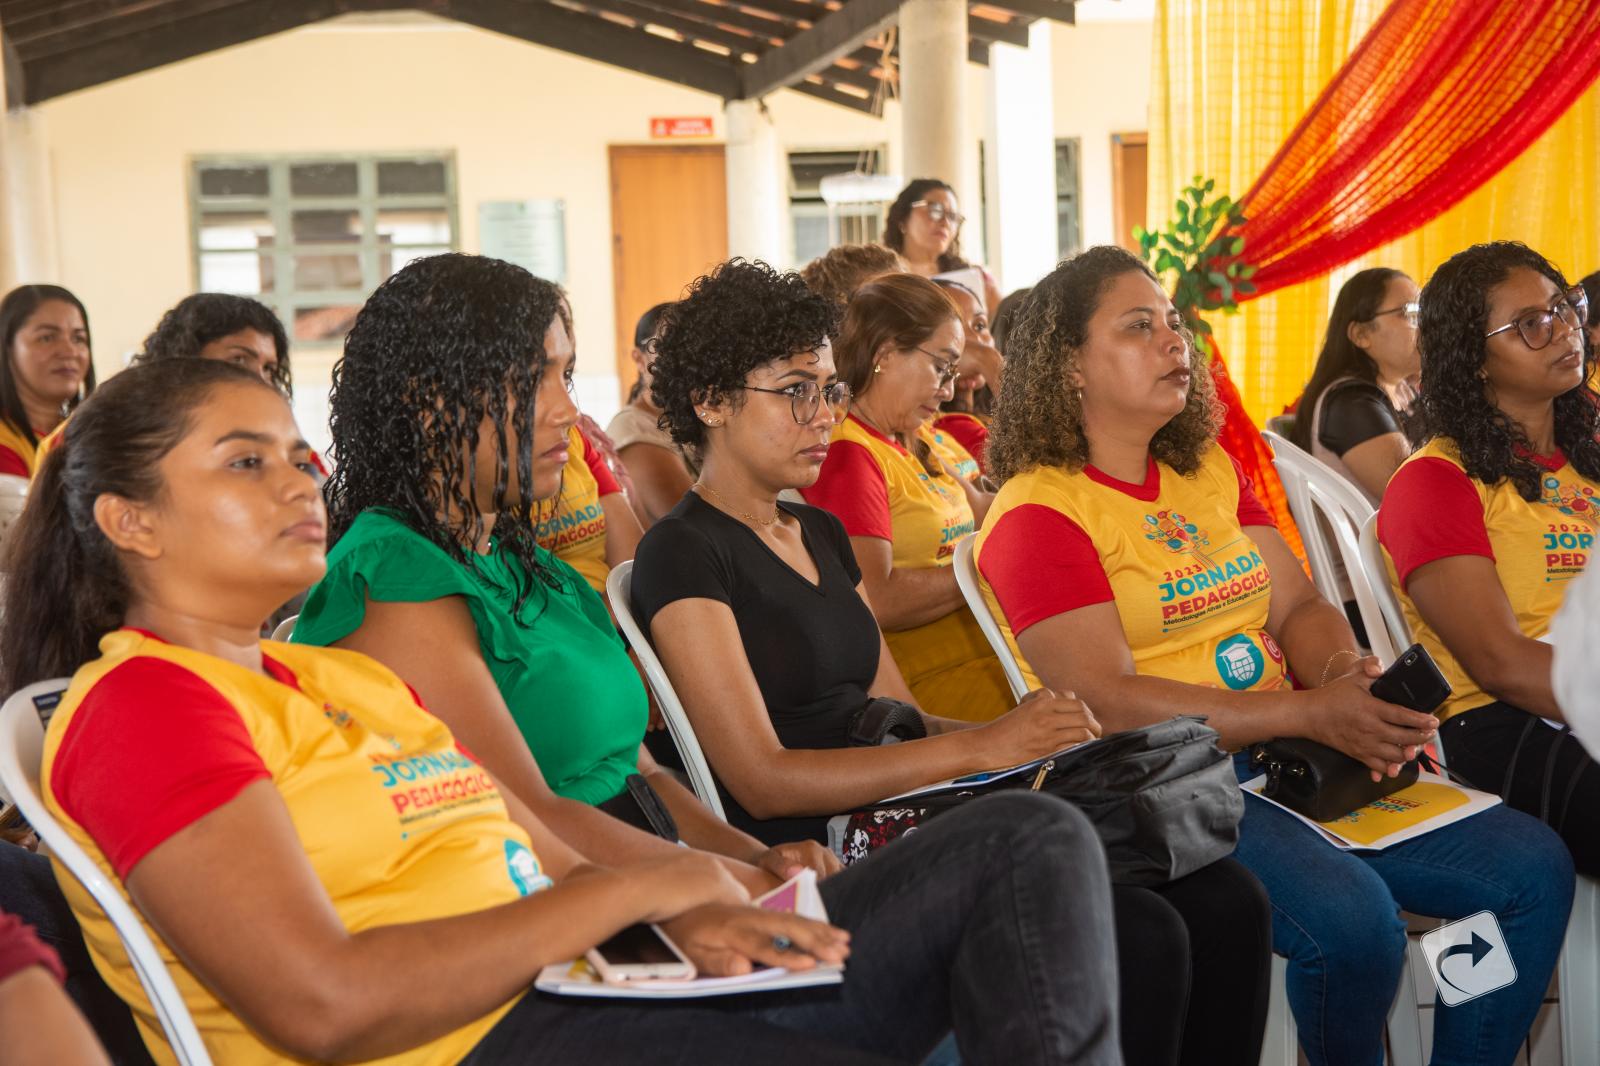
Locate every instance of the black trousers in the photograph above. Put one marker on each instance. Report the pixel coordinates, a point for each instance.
(1195, 966)
(1535, 768)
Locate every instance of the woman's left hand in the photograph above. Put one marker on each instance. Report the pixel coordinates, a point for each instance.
(786, 860)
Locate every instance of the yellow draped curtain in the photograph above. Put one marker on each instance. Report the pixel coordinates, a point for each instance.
(1231, 79)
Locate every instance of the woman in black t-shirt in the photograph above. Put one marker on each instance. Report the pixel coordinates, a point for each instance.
(757, 611)
(1352, 414)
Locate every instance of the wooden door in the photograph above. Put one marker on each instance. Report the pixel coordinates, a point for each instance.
(669, 225)
(1130, 183)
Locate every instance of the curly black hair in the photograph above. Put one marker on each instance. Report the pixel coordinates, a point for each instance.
(742, 315)
(1455, 317)
(1038, 419)
(198, 320)
(445, 343)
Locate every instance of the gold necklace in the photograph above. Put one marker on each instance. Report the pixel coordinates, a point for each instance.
(699, 485)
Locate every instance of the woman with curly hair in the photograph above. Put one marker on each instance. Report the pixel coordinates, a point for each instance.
(924, 226)
(452, 406)
(1128, 560)
(746, 375)
(839, 272)
(1487, 525)
(45, 370)
(907, 492)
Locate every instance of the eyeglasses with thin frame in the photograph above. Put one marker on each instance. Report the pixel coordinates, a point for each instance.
(938, 212)
(1411, 309)
(806, 396)
(946, 369)
(1538, 328)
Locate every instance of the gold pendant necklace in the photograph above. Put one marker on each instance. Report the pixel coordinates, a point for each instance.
(699, 485)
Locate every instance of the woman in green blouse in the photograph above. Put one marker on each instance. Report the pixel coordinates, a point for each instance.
(428, 576)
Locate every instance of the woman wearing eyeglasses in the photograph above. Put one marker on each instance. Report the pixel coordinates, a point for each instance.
(1487, 525)
(907, 492)
(924, 226)
(1352, 413)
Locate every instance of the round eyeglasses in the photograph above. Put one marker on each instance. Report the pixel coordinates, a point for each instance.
(806, 396)
(946, 369)
(1538, 328)
(1412, 310)
(938, 212)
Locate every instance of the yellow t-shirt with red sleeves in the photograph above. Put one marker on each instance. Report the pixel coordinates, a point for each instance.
(18, 458)
(398, 822)
(879, 489)
(574, 529)
(1432, 510)
(1173, 554)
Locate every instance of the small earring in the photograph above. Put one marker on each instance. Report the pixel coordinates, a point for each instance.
(877, 368)
(713, 421)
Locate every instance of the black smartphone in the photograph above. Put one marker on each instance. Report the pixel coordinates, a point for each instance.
(1413, 680)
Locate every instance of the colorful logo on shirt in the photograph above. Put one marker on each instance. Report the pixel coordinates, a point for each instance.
(1178, 535)
(425, 786)
(570, 526)
(1196, 590)
(1239, 662)
(1576, 500)
(524, 870)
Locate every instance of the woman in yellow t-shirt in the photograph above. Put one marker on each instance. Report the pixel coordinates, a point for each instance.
(45, 369)
(1131, 564)
(907, 493)
(329, 875)
(1488, 524)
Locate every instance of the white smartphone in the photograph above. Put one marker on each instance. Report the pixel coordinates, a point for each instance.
(639, 953)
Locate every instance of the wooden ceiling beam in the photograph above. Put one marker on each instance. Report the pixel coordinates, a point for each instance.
(815, 49)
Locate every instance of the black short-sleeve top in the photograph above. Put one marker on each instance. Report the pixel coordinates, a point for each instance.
(813, 648)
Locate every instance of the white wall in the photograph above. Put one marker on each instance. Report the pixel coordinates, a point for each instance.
(524, 122)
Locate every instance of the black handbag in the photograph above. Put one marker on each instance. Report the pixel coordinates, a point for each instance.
(1319, 782)
(1163, 798)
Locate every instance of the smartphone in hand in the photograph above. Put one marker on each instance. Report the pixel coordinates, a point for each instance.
(1413, 680)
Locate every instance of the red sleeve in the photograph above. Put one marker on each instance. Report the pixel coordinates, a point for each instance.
(852, 486)
(20, 948)
(11, 462)
(151, 749)
(1431, 511)
(604, 478)
(316, 461)
(1031, 584)
(1252, 512)
(969, 432)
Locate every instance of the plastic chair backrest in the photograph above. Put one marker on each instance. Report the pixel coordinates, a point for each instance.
(1372, 561)
(966, 567)
(13, 497)
(1329, 512)
(21, 752)
(285, 628)
(618, 588)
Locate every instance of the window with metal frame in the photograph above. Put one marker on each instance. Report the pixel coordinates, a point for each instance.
(816, 228)
(311, 236)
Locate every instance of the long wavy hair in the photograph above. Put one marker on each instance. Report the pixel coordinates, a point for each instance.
(1038, 420)
(894, 223)
(1359, 300)
(448, 342)
(197, 320)
(65, 586)
(17, 307)
(1455, 404)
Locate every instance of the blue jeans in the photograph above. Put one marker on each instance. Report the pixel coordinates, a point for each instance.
(1335, 917)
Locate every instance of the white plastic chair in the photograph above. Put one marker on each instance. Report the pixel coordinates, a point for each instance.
(21, 752)
(966, 568)
(1377, 571)
(285, 628)
(13, 497)
(1578, 978)
(618, 588)
(1325, 503)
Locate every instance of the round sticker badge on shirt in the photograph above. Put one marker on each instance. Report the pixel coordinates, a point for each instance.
(524, 869)
(1239, 662)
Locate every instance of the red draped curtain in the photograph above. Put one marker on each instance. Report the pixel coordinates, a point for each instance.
(1437, 98)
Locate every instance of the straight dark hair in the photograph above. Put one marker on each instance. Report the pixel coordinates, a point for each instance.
(17, 307)
(1359, 300)
(65, 586)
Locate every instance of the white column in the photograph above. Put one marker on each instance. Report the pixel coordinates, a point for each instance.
(757, 194)
(8, 274)
(1021, 160)
(30, 211)
(933, 95)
